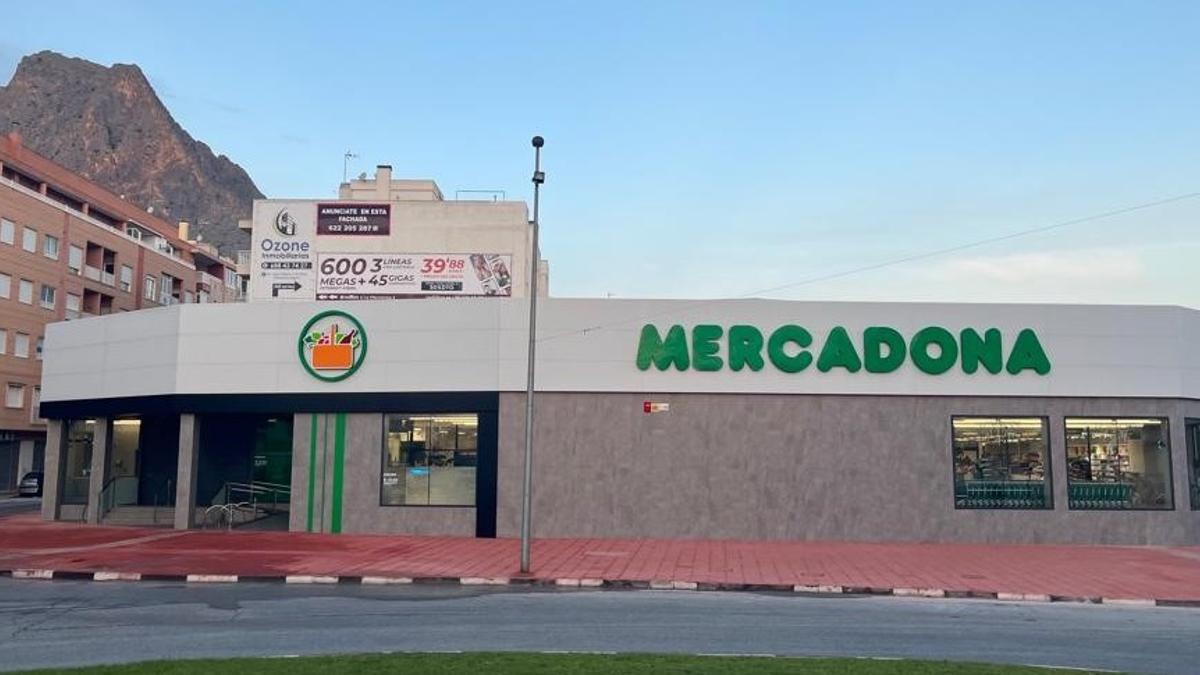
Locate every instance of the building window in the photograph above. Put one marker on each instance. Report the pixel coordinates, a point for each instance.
(148, 287)
(126, 278)
(29, 239)
(21, 345)
(73, 304)
(25, 292)
(75, 259)
(1193, 449)
(8, 231)
(39, 346)
(166, 290)
(35, 405)
(14, 397)
(1001, 463)
(429, 460)
(5, 286)
(3, 341)
(1118, 463)
(50, 247)
(49, 296)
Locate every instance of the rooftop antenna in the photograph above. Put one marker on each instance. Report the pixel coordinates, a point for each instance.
(346, 163)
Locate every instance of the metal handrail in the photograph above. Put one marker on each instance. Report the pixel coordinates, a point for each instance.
(107, 497)
(159, 496)
(255, 489)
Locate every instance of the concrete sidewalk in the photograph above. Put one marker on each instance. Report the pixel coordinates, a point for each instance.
(31, 548)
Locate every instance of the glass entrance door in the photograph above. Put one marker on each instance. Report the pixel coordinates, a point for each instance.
(77, 468)
(125, 461)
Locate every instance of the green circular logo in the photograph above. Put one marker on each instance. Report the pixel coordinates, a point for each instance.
(333, 345)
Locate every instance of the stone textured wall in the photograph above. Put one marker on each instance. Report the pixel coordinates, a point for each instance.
(361, 511)
(799, 467)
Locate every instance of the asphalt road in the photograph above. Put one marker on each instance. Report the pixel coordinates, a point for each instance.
(14, 505)
(65, 623)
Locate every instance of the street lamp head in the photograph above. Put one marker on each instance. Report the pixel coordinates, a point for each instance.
(538, 141)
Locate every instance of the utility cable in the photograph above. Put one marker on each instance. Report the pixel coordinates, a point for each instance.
(888, 263)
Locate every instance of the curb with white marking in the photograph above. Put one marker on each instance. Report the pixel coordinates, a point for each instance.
(591, 582)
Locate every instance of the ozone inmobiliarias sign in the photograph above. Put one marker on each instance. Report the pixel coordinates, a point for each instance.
(283, 255)
(332, 345)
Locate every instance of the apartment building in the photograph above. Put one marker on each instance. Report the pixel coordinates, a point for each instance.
(70, 249)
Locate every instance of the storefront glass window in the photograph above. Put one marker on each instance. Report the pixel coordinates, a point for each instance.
(1118, 464)
(429, 460)
(1001, 463)
(1193, 448)
(78, 463)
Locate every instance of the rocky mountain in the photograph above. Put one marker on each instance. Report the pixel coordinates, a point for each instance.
(108, 125)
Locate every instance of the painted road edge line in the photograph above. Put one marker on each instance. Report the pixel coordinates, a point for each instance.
(804, 588)
(1023, 597)
(919, 592)
(211, 578)
(33, 574)
(484, 581)
(1130, 602)
(309, 579)
(385, 581)
(116, 576)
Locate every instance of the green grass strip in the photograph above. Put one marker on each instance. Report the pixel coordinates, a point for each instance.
(516, 663)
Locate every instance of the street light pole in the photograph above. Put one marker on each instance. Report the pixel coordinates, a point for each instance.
(527, 494)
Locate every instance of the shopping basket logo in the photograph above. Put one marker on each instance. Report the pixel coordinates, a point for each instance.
(332, 345)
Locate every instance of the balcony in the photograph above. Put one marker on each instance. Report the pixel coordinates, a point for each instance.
(243, 263)
(209, 282)
(95, 274)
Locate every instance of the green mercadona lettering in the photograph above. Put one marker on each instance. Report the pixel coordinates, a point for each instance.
(880, 349)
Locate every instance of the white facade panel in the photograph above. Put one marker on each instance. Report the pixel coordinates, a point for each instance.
(287, 245)
(591, 345)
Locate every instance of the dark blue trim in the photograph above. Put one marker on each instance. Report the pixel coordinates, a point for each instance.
(350, 402)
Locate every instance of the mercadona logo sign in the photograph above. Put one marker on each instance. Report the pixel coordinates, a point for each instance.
(332, 345)
(879, 349)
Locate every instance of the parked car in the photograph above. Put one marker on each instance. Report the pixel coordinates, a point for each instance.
(30, 485)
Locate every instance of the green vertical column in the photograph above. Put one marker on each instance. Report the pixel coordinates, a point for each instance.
(339, 467)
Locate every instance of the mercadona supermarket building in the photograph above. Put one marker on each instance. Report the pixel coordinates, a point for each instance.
(725, 419)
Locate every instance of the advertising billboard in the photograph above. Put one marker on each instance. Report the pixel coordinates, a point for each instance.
(360, 276)
(314, 250)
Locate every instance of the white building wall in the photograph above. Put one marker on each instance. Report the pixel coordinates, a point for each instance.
(431, 226)
(591, 346)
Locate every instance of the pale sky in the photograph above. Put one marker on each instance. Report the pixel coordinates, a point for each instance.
(704, 149)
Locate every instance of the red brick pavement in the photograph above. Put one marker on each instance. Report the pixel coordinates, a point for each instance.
(1111, 572)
